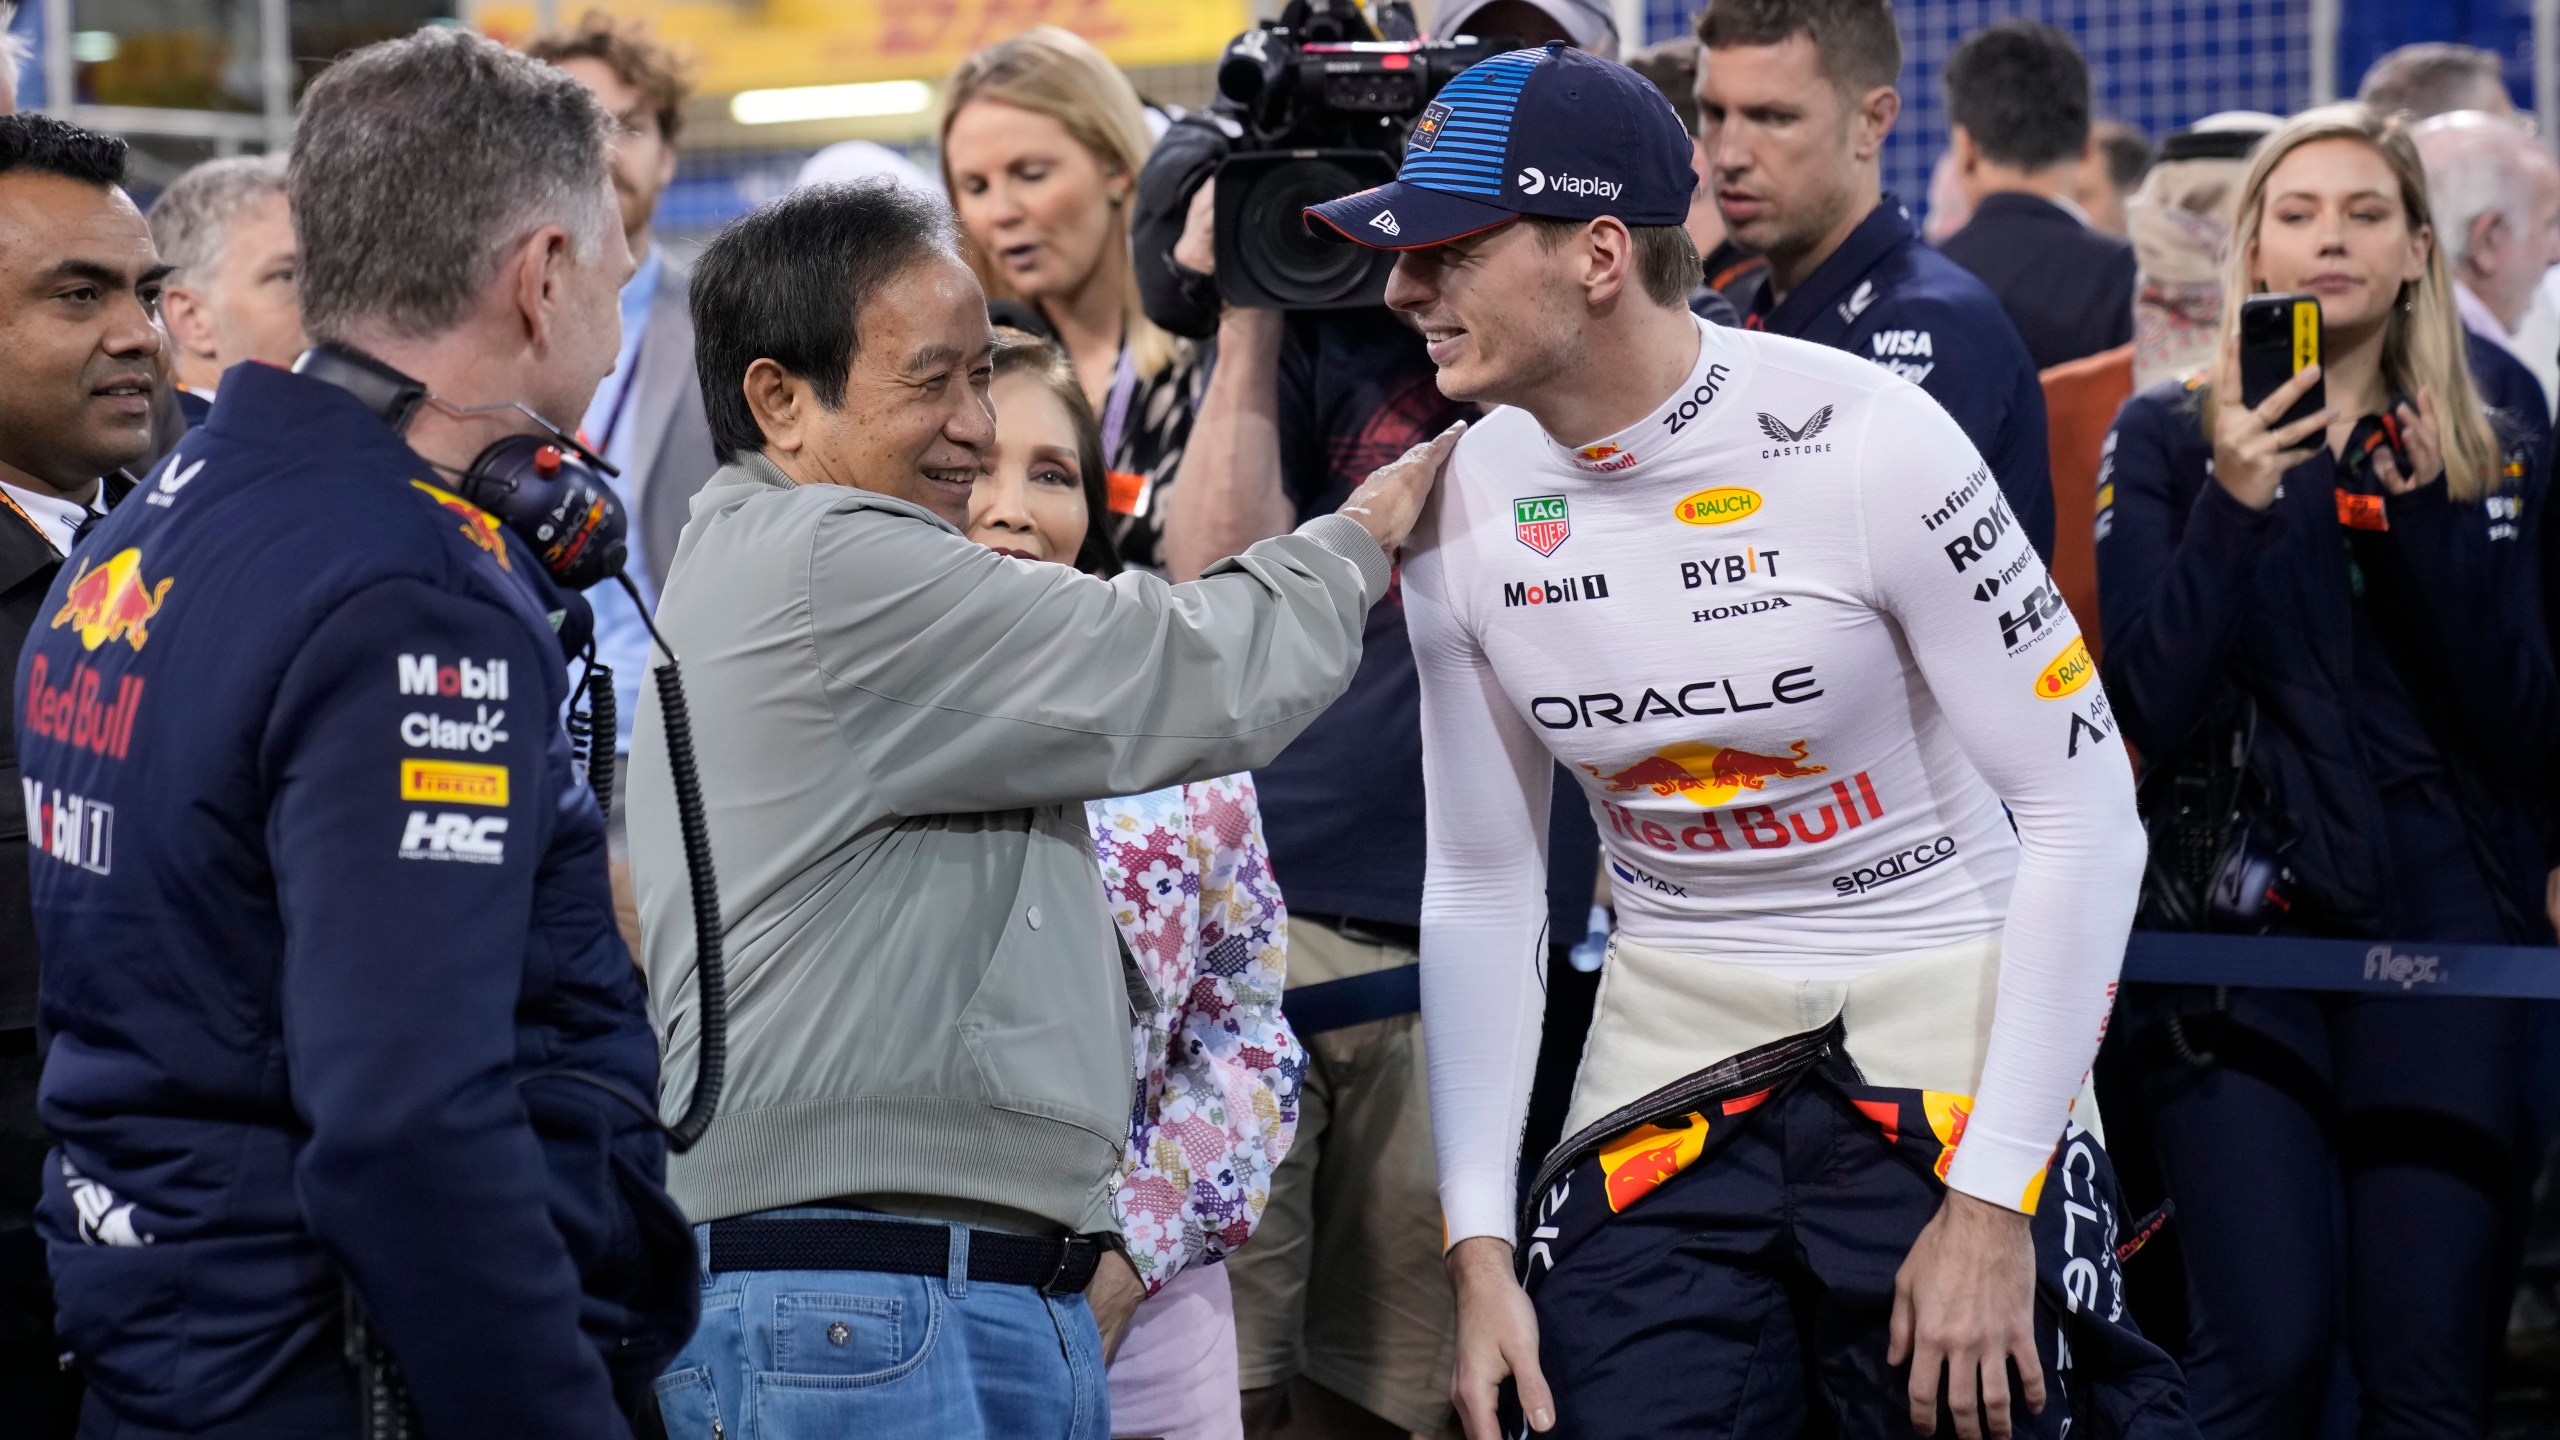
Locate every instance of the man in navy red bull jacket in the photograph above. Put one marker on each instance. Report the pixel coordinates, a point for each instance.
(1795, 98)
(334, 996)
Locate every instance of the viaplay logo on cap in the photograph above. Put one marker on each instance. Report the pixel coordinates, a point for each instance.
(1534, 181)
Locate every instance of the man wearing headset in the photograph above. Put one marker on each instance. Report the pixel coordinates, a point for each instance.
(340, 1024)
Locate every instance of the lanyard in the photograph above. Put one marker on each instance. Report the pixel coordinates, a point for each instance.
(42, 533)
(1115, 406)
(621, 398)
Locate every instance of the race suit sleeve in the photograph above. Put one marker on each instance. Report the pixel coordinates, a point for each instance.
(1979, 371)
(1222, 1087)
(406, 897)
(2035, 724)
(1486, 784)
(1013, 683)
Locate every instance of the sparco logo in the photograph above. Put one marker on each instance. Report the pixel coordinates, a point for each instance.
(1534, 181)
(423, 675)
(1556, 592)
(1900, 865)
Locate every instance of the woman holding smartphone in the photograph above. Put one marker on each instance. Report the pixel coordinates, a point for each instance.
(2338, 625)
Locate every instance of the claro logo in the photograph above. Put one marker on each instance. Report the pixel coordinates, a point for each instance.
(2069, 671)
(1720, 506)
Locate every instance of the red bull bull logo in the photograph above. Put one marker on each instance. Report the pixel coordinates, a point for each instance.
(112, 602)
(1707, 775)
(1947, 1116)
(1605, 458)
(478, 525)
(1638, 1163)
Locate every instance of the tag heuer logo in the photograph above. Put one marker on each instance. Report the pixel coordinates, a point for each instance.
(1540, 522)
(1386, 220)
(1426, 131)
(1778, 430)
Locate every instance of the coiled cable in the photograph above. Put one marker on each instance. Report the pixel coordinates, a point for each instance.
(710, 1074)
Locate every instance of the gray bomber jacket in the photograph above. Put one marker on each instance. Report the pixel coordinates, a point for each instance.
(896, 731)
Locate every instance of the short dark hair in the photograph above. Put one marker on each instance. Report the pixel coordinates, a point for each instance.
(1666, 259)
(1859, 47)
(53, 147)
(2021, 90)
(419, 161)
(788, 283)
(2129, 154)
(637, 60)
(1672, 66)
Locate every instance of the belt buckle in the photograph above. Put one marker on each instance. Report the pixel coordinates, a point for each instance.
(1066, 1258)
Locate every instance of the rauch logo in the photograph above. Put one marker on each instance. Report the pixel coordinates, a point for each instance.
(1720, 506)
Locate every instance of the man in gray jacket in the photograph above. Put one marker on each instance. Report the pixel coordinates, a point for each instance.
(910, 1180)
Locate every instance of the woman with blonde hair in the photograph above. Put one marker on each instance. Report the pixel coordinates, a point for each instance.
(1042, 141)
(2323, 638)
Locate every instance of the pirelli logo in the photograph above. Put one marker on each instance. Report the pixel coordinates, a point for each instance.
(453, 782)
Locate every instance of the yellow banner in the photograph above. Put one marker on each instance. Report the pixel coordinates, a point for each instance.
(758, 44)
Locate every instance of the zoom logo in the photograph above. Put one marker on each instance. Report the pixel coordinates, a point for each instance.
(1900, 865)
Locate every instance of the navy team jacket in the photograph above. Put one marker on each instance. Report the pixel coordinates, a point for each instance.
(330, 977)
(1886, 295)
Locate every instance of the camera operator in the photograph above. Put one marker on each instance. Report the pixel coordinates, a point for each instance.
(1795, 98)
(930, 1018)
(1344, 1313)
(2332, 632)
(339, 1021)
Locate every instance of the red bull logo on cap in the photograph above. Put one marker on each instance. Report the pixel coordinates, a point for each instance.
(112, 602)
(1707, 775)
(478, 525)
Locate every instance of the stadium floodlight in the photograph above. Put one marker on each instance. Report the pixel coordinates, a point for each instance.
(830, 102)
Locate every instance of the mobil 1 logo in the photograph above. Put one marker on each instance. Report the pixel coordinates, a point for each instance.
(1562, 591)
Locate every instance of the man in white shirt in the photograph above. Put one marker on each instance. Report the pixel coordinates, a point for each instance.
(1870, 828)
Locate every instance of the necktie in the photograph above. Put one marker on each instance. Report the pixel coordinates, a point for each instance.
(88, 521)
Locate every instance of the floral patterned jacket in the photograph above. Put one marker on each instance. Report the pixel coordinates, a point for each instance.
(1188, 880)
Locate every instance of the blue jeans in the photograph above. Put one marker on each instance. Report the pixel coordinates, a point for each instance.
(806, 1354)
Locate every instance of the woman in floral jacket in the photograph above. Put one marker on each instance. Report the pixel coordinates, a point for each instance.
(1188, 881)
(1189, 884)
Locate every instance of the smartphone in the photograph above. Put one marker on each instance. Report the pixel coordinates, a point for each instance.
(2279, 338)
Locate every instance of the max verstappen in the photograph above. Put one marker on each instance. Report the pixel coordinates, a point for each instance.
(1766, 601)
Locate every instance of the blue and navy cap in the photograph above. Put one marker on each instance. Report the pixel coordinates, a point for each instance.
(1532, 132)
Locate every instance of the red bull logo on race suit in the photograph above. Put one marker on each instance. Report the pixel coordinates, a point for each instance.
(1705, 774)
(478, 525)
(112, 602)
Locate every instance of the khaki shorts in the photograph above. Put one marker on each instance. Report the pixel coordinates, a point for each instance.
(1342, 1282)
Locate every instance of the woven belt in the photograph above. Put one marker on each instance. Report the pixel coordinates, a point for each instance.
(1052, 1266)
